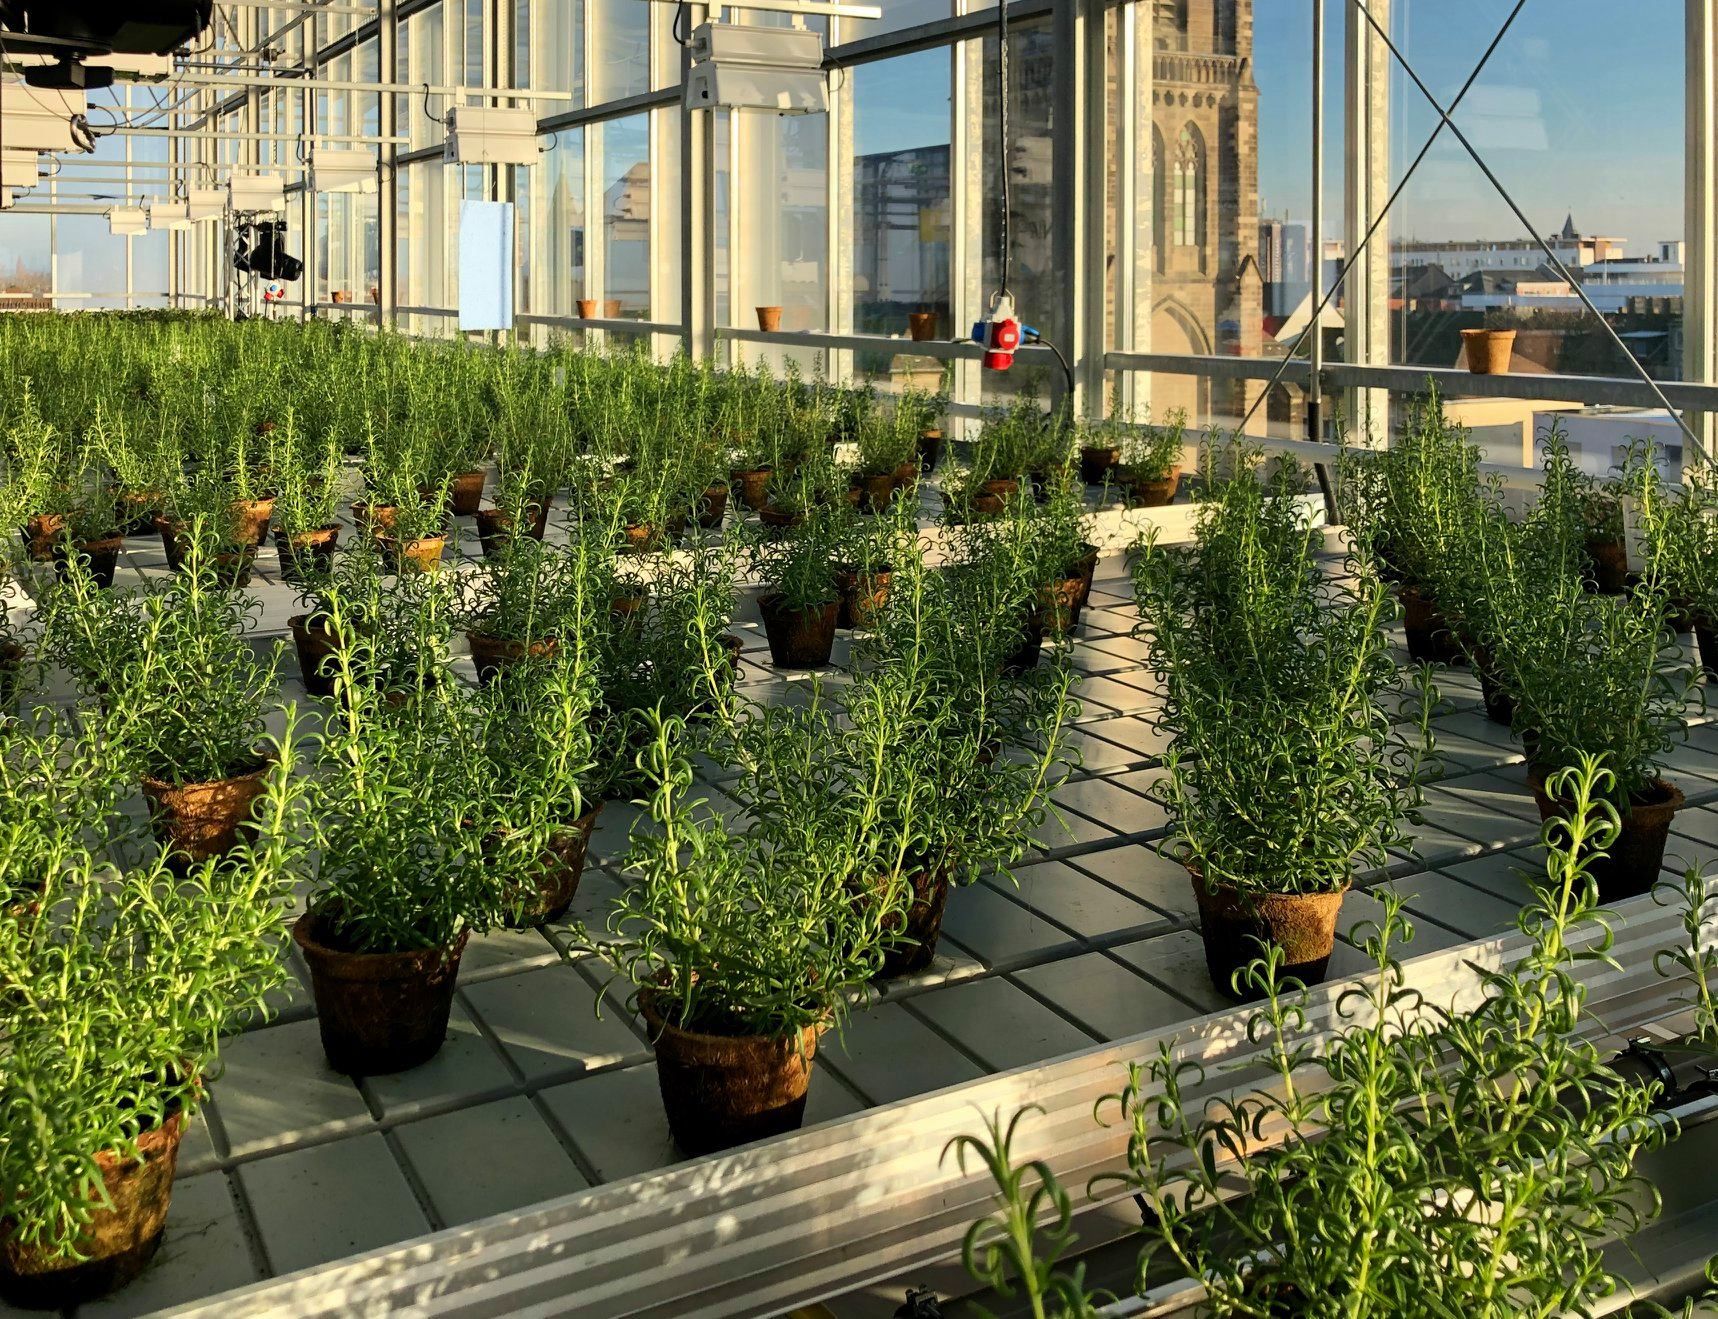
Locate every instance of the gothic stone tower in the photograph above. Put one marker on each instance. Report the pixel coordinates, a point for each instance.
(1207, 291)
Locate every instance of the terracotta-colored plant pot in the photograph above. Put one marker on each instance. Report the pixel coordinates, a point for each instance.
(919, 927)
(1085, 568)
(494, 656)
(1096, 460)
(1488, 351)
(1431, 640)
(318, 648)
(611, 308)
(874, 492)
(251, 518)
(194, 821)
(1303, 925)
(306, 554)
(377, 519)
(989, 500)
(13, 655)
(587, 308)
(781, 519)
(769, 319)
(1631, 865)
(1499, 704)
(101, 558)
(863, 595)
(753, 486)
(420, 555)
(711, 506)
(42, 533)
(922, 325)
(495, 527)
(1151, 491)
(556, 878)
(720, 1091)
(1610, 575)
(233, 567)
(930, 450)
(643, 538)
(799, 638)
(378, 1012)
(465, 493)
(906, 476)
(122, 1235)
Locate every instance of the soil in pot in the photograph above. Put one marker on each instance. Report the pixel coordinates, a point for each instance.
(863, 595)
(1430, 637)
(753, 486)
(494, 527)
(1303, 925)
(194, 821)
(1610, 571)
(1631, 866)
(494, 656)
(138, 510)
(378, 1012)
(101, 558)
(120, 1240)
(377, 519)
(1096, 460)
(930, 450)
(1059, 603)
(250, 520)
(304, 554)
(556, 879)
(919, 927)
(721, 1090)
(799, 638)
(711, 506)
(318, 650)
(1150, 491)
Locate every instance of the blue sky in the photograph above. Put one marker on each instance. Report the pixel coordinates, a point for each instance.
(1580, 109)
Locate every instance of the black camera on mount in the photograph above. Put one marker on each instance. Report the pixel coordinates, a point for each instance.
(262, 251)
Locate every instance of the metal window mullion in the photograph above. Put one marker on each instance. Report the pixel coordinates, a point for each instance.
(1366, 183)
(966, 204)
(387, 156)
(697, 220)
(1700, 202)
(838, 216)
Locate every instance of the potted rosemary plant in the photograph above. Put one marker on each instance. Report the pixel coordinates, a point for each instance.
(306, 528)
(800, 603)
(1149, 469)
(1286, 773)
(120, 980)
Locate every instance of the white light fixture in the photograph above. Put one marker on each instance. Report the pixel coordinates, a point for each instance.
(257, 192)
(123, 220)
(34, 120)
(491, 135)
(17, 169)
(756, 68)
(169, 215)
(342, 171)
(206, 203)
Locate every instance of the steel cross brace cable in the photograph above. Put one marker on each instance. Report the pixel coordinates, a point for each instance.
(1556, 262)
(1313, 321)
(1445, 121)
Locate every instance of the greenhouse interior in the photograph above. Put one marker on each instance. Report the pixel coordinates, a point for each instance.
(1118, 730)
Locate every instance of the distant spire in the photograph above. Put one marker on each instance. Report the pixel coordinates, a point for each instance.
(1569, 230)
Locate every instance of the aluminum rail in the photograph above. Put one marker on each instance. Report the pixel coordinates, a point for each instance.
(819, 1213)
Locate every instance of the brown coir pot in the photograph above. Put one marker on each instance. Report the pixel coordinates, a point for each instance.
(1303, 925)
(555, 881)
(799, 638)
(725, 1090)
(194, 821)
(121, 1238)
(919, 927)
(378, 1012)
(1630, 866)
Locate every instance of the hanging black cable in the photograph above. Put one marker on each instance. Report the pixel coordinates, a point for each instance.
(1002, 161)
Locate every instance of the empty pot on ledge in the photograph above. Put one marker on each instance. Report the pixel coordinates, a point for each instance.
(769, 319)
(1488, 351)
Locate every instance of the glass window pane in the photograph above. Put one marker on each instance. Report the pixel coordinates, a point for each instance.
(626, 217)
